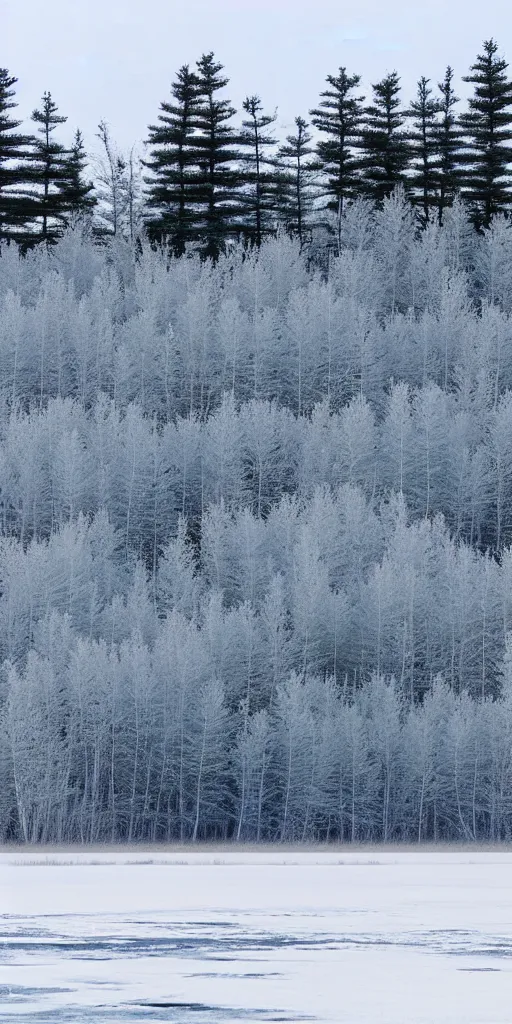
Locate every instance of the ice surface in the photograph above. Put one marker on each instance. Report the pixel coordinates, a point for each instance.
(376, 937)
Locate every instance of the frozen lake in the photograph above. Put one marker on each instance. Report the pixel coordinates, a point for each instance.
(215, 937)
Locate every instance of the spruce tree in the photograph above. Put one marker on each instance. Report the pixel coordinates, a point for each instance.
(386, 150)
(258, 171)
(339, 116)
(299, 173)
(488, 130)
(422, 137)
(217, 156)
(49, 171)
(15, 203)
(171, 189)
(449, 144)
(76, 192)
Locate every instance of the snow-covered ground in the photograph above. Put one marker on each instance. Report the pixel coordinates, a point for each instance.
(374, 937)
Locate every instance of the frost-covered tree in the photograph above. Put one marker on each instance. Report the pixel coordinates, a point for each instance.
(116, 188)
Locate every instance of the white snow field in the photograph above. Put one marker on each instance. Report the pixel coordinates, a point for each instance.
(212, 937)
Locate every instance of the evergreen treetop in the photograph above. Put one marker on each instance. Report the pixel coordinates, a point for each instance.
(15, 205)
(385, 141)
(299, 173)
(487, 127)
(50, 168)
(258, 171)
(173, 181)
(422, 138)
(76, 192)
(449, 144)
(339, 116)
(217, 156)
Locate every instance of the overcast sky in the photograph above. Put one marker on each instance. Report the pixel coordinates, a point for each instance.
(115, 59)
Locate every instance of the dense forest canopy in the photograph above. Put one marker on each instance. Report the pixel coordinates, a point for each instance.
(256, 471)
(256, 529)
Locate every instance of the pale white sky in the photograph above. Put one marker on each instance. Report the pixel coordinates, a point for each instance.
(115, 59)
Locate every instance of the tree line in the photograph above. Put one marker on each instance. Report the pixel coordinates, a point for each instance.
(206, 181)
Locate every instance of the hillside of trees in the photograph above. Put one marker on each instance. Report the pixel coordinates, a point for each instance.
(256, 470)
(256, 536)
(210, 177)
